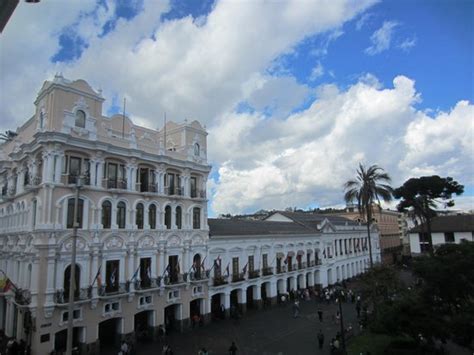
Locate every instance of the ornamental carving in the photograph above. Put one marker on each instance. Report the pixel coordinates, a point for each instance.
(80, 244)
(174, 241)
(114, 243)
(146, 242)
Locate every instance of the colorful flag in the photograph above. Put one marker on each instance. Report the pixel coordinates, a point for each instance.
(99, 280)
(245, 268)
(202, 264)
(148, 272)
(227, 269)
(135, 274)
(113, 276)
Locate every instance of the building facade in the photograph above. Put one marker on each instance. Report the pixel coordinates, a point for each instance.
(444, 230)
(145, 257)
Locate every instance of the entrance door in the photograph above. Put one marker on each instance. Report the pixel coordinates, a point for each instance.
(109, 333)
(143, 322)
(171, 317)
(250, 303)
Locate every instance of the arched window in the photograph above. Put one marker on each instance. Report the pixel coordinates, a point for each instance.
(197, 149)
(139, 216)
(67, 280)
(196, 218)
(152, 216)
(80, 119)
(33, 211)
(106, 214)
(70, 212)
(179, 217)
(168, 217)
(121, 214)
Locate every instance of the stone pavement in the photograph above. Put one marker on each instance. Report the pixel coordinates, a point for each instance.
(265, 332)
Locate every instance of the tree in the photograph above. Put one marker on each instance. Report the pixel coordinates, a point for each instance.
(369, 186)
(421, 195)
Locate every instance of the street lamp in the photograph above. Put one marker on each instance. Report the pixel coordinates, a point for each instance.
(72, 279)
(343, 336)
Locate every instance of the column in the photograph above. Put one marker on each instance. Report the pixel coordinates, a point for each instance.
(100, 172)
(50, 279)
(94, 269)
(157, 181)
(92, 171)
(59, 167)
(20, 180)
(257, 296)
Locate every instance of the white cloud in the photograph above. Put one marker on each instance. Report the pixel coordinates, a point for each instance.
(407, 44)
(317, 72)
(382, 38)
(363, 19)
(306, 158)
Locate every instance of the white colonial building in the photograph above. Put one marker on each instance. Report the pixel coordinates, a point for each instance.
(145, 253)
(444, 229)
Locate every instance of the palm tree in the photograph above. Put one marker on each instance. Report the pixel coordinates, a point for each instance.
(369, 186)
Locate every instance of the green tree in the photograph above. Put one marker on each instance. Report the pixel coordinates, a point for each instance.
(421, 195)
(369, 186)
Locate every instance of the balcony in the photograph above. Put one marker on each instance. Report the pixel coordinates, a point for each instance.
(238, 277)
(108, 290)
(253, 274)
(195, 193)
(71, 179)
(173, 191)
(174, 279)
(62, 296)
(198, 276)
(267, 271)
(148, 283)
(281, 269)
(115, 184)
(219, 280)
(147, 188)
(22, 297)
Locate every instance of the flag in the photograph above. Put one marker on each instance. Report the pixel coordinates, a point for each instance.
(177, 267)
(148, 272)
(136, 273)
(8, 285)
(227, 269)
(245, 268)
(168, 269)
(99, 279)
(324, 253)
(202, 264)
(286, 260)
(113, 276)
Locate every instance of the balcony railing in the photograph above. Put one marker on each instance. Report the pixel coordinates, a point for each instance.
(148, 283)
(281, 269)
(198, 276)
(238, 277)
(71, 179)
(22, 297)
(62, 296)
(267, 271)
(173, 190)
(174, 278)
(147, 188)
(253, 274)
(123, 287)
(115, 184)
(195, 193)
(219, 280)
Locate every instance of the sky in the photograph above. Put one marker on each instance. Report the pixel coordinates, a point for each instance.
(294, 94)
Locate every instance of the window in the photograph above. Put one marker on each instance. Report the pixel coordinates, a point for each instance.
(112, 269)
(80, 119)
(197, 149)
(179, 217)
(67, 280)
(168, 217)
(152, 216)
(26, 179)
(196, 218)
(121, 214)
(139, 216)
(174, 183)
(449, 237)
(70, 212)
(145, 272)
(106, 214)
(75, 166)
(265, 260)
(35, 203)
(235, 266)
(193, 187)
(251, 263)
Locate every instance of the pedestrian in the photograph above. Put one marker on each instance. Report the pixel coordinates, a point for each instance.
(358, 310)
(222, 311)
(233, 349)
(320, 314)
(338, 317)
(296, 309)
(320, 339)
(124, 348)
(328, 297)
(283, 299)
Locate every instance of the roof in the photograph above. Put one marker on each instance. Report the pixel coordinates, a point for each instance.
(459, 223)
(226, 227)
(312, 220)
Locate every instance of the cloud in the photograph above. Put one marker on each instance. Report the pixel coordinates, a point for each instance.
(188, 67)
(305, 159)
(407, 44)
(363, 19)
(381, 39)
(316, 72)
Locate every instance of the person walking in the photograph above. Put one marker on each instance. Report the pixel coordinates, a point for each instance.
(233, 349)
(320, 315)
(320, 339)
(296, 309)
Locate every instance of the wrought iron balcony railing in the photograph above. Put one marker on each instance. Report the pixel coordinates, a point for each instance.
(62, 296)
(267, 271)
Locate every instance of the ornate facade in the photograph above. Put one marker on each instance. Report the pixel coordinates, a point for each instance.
(144, 253)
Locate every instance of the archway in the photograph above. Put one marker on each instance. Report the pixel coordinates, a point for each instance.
(173, 317)
(217, 303)
(144, 326)
(78, 339)
(109, 333)
(249, 297)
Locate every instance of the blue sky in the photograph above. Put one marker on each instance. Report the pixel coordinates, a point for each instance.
(293, 94)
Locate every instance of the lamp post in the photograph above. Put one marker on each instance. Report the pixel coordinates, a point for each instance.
(343, 336)
(72, 278)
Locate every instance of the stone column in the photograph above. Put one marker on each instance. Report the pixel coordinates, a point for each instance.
(20, 180)
(92, 171)
(257, 297)
(59, 167)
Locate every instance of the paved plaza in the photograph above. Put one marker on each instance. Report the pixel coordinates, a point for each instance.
(266, 332)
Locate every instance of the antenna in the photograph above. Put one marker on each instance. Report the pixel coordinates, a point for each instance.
(123, 118)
